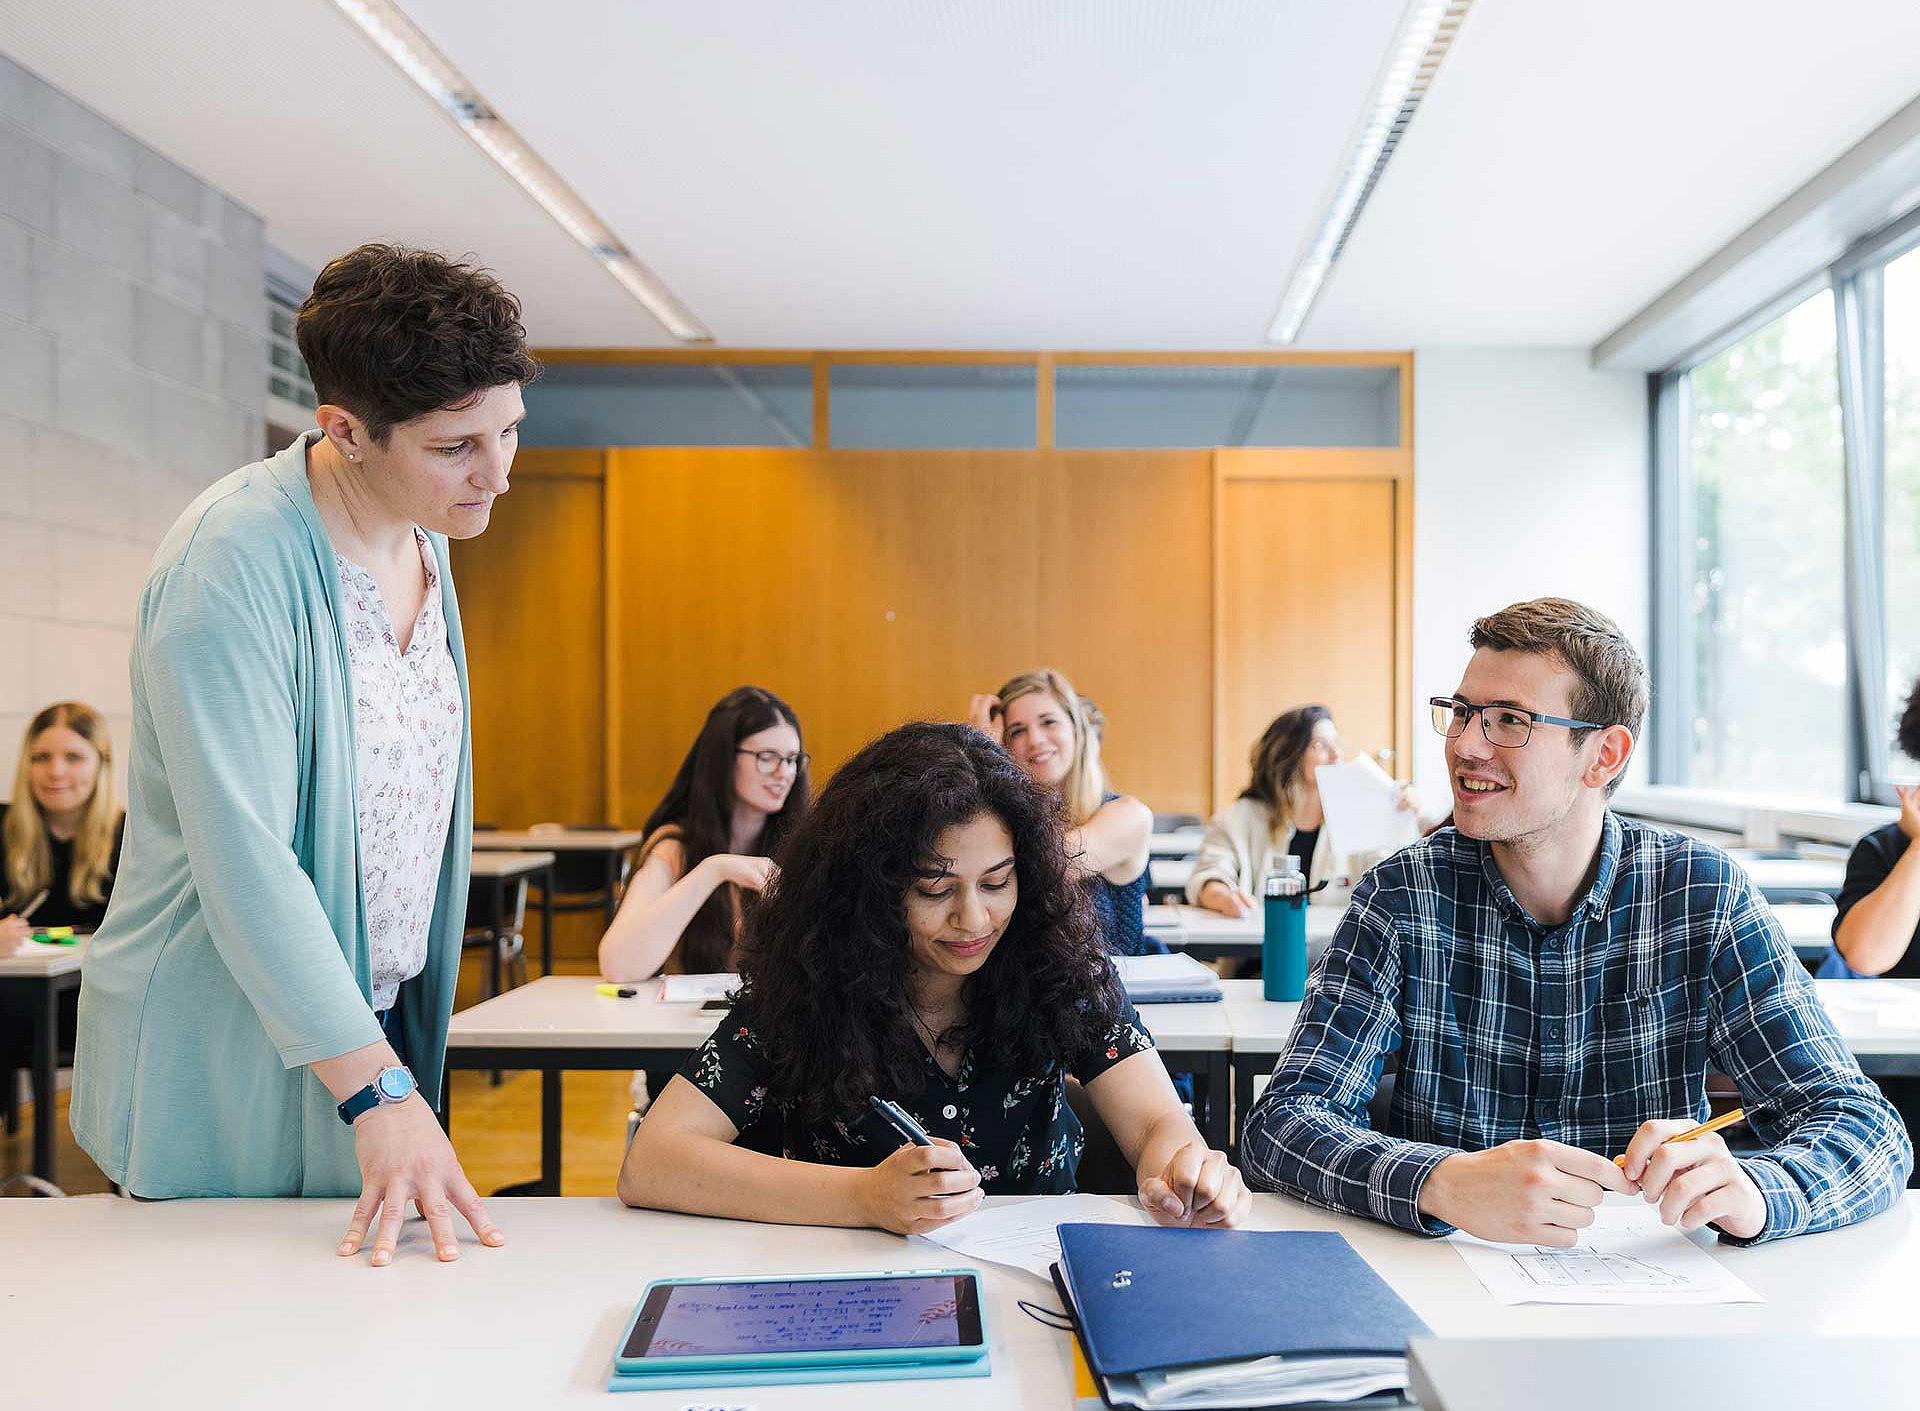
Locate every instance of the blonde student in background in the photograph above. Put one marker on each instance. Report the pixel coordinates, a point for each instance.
(1277, 814)
(1043, 723)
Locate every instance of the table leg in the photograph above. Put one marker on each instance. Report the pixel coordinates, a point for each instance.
(446, 1100)
(613, 880)
(46, 1043)
(546, 923)
(1216, 1095)
(550, 1131)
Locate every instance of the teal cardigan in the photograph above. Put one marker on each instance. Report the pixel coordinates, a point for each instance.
(234, 952)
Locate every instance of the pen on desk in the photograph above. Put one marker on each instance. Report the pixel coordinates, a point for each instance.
(26, 912)
(898, 1118)
(1725, 1119)
(616, 991)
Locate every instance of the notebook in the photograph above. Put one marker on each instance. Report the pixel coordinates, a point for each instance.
(1166, 979)
(1307, 1321)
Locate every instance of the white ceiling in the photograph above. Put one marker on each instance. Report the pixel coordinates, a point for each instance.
(1015, 173)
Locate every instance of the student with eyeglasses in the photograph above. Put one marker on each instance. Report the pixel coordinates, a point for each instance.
(710, 841)
(1557, 982)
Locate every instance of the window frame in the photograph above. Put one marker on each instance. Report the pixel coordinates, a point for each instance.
(1856, 281)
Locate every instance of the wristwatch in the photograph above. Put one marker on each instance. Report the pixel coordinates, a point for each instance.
(389, 1085)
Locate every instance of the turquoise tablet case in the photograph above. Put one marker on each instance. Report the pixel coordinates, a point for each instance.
(980, 1366)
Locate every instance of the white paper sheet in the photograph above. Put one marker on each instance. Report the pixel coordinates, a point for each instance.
(696, 989)
(1026, 1236)
(1869, 1009)
(1363, 808)
(1625, 1257)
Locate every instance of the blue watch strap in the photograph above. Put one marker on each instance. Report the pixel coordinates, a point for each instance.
(388, 1085)
(367, 1097)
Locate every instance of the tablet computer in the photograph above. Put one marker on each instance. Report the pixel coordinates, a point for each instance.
(813, 1320)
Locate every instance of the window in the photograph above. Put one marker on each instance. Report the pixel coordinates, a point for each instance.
(1765, 478)
(931, 406)
(1900, 543)
(1787, 540)
(287, 376)
(1134, 406)
(670, 404)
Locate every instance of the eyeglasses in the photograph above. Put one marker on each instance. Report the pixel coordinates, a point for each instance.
(769, 760)
(1507, 726)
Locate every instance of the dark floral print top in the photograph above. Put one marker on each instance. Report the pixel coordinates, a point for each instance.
(1016, 1128)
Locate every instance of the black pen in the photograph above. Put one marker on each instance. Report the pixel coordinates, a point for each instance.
(898, 1118)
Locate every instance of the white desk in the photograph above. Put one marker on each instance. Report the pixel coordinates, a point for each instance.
(43, 973)
(1169, 873)
(610, 843)
(1778, 877)
(226, 1303)
(1809, 928)
(494, 870)
(1207, 935)
(1184, 842)
(562, 1022)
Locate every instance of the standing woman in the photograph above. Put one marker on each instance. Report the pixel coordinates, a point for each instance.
(1042, 722)
(740, 790)
(265, 1011)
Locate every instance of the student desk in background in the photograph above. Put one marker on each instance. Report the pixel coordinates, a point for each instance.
(562, 1022)
(243, 1302)
(1791, 879)
(1183, 842)
(610, 843)
(1207, 935)
(43, 974)
(492, 871)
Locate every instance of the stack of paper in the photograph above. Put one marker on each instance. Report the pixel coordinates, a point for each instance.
(1027, 1235)
(1260, 1381)
(696, 989)
(1166, 979)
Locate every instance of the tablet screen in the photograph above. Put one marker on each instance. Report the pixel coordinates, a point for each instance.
(807, 1315)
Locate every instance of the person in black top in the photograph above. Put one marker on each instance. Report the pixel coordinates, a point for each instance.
(926, 940)
(1879, 921)
(60, 843)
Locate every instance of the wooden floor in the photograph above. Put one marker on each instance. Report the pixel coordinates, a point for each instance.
(496, 1131)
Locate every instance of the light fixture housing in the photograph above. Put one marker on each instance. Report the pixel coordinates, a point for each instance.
(415, 55)
(1426, 32)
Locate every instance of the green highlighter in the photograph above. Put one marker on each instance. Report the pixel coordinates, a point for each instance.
(55, 936)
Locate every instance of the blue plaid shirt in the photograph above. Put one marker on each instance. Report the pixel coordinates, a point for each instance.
(1671, 965)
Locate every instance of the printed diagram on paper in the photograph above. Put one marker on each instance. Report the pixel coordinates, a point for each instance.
(1625, 1257)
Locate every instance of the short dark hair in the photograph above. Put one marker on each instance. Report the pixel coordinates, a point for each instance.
(1612, 678)
(392, 333)
(1908, 735)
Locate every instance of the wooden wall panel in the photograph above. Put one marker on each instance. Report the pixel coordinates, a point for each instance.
(531, 597)
(871, 587)
(1306, 611)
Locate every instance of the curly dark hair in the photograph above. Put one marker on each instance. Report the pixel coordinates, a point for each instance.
(823, 960)
(391, 333)
(1908, 733)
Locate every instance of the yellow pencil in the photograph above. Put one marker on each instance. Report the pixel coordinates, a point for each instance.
(1725, 1119)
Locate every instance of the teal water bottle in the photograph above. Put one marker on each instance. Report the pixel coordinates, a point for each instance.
(1283, 945)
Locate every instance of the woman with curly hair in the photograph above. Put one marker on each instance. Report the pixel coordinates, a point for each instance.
(1878, 927)
(925, 940)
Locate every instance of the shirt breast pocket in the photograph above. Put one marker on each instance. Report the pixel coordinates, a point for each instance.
(1649, 1042)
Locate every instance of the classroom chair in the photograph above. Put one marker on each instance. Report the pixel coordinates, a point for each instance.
(503, 938)
(580, 879)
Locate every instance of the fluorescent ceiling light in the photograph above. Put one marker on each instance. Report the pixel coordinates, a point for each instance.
(1426, 31)
(435, 75)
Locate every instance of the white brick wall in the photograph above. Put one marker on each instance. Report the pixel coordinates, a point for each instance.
(132, 374)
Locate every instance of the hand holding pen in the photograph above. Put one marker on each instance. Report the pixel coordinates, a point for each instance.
(16, 929)
(922, 1186)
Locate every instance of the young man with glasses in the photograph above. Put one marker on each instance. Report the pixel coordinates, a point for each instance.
(1557, 982)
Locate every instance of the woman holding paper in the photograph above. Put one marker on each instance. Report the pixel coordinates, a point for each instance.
(1278, 813)
(927, 942)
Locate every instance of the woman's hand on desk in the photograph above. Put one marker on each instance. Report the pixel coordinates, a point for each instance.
(1199, 1187)
(1228, 901)
(920, 1188)
(404, 1156)
(13, 930)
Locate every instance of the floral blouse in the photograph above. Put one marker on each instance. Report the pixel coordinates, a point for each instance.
(406, 725)
(1015, 1128)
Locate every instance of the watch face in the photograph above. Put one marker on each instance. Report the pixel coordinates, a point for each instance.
(395, 1083)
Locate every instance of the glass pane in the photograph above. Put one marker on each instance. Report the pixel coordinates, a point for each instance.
(932, 406)
(670, 404)
(1902, 519)
(1767, 488)
(1227, 405)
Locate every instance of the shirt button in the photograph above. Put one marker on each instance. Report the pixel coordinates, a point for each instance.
(949, 1112)
(1554, 1032)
